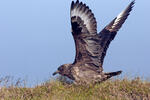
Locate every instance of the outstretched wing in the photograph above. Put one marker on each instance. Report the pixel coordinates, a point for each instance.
(84, 31)
(110, 31)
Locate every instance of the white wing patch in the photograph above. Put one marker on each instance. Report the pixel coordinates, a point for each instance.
(118, 19)
(116, 24)
(83, 16)
(86, 15)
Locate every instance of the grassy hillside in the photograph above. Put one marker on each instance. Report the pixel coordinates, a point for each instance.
(55, 90)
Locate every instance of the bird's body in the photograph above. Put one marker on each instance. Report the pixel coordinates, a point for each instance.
(91, 46)
(84, 74)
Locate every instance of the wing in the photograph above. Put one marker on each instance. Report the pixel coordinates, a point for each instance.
(110, 31)
(84, 31)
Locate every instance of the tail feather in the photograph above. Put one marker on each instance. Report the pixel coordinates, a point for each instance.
(111, 74)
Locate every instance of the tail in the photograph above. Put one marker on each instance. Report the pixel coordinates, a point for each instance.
(111, 74)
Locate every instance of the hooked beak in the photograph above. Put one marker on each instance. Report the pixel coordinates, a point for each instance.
(55, 72)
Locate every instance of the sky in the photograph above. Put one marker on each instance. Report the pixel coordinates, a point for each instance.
(35, 37)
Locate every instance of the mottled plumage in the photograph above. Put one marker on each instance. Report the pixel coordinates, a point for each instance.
(91, 46)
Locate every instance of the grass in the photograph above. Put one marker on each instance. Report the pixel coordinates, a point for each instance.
(121, 89)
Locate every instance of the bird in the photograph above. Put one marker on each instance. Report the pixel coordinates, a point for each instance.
(91, 46)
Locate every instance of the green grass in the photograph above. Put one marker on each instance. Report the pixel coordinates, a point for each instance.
(124, 89)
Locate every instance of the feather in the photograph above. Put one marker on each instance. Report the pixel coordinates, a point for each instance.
(85, 14)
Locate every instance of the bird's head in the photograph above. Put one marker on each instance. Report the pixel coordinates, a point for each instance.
(63, 69)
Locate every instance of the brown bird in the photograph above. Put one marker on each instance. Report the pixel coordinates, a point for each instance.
(91, 46)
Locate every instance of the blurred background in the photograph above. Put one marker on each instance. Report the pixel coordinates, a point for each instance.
(35, 38)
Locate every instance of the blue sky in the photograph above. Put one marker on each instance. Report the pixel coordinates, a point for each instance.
(35, 37)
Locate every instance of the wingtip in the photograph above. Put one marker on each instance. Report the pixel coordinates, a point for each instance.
(132, 3)
(77, 2)
(72, 5)
(81, 10)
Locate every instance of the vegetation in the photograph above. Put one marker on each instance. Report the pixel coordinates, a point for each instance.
(122, 89)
